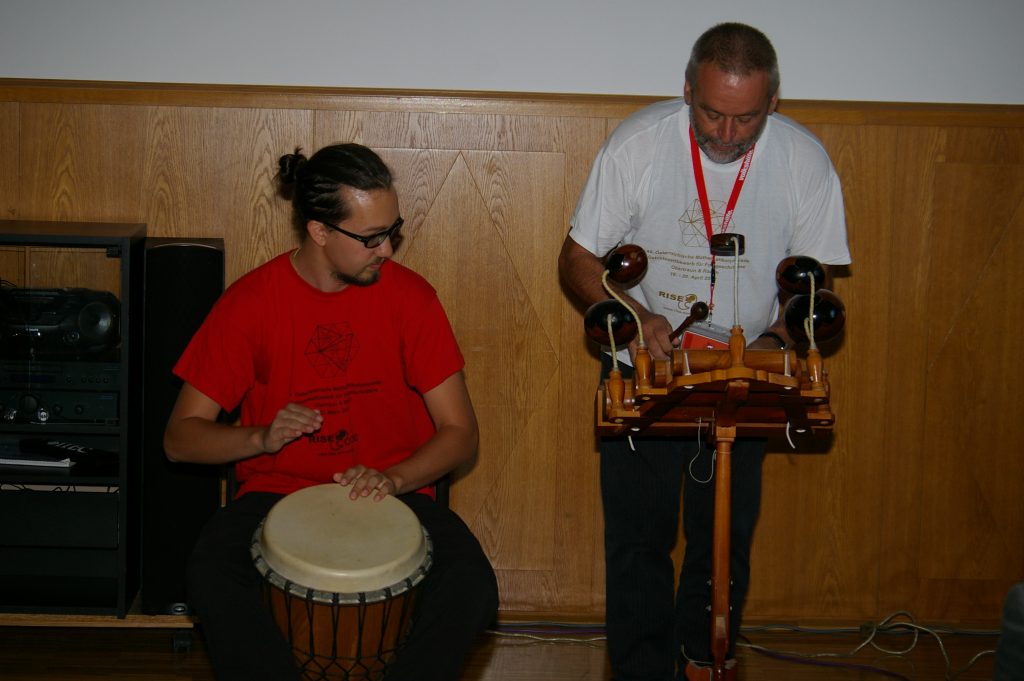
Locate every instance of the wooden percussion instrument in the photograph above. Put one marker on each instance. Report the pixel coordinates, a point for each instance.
(340, 577)
(720, 394)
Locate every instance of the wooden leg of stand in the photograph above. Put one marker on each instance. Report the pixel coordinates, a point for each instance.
(720, 567)
(720, 557)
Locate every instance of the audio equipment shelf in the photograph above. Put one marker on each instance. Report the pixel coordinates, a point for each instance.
(77, 475)
(70, 386)
(180, 626)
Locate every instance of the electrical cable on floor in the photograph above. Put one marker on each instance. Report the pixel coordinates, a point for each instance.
(814, 659)
(553, 633)
(889, 625)
(548, 633)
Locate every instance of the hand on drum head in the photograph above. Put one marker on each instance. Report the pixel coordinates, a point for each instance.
(290, 423)
(366, 481)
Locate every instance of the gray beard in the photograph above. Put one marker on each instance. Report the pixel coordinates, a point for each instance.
(735, 151)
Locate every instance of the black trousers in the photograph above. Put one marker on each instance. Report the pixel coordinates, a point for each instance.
(1009, 664)
(648, 622)
(456, 601)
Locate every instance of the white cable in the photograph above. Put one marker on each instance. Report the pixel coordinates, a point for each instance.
(885, 626)
(611, 344)
(736, 283)
(613, 294)
(700, 448)
(809, 322)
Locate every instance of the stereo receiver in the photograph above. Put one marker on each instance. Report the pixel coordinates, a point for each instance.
(58, 323)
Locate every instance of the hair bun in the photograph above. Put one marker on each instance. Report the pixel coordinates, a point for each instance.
(290, 165)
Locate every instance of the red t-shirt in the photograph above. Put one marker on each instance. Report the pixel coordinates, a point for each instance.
(363, 356)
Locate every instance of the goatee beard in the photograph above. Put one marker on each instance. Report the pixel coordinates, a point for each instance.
(366, 278)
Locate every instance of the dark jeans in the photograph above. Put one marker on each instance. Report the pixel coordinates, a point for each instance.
(456, 601)
(1009, 664)
(647, 622)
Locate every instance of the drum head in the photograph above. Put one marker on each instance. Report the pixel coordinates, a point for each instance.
(320, 539)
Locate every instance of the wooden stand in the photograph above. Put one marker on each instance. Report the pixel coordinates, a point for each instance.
(722, 395)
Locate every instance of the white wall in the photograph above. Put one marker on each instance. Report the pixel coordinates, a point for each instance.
(886, 50)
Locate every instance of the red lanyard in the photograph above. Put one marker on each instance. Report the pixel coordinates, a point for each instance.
(705, 207)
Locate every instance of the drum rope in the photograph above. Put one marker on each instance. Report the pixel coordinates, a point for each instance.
(335, 624)
(310, 609)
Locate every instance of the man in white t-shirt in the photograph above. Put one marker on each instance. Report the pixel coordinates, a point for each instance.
(673, 174)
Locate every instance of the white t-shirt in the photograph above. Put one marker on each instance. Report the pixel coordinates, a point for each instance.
(641, 190)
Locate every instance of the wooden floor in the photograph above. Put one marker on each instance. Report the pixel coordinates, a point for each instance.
(149, 654)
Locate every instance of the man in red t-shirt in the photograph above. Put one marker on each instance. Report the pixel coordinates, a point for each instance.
(344, 368)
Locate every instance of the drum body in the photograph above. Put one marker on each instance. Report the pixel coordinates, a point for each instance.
(340, 577)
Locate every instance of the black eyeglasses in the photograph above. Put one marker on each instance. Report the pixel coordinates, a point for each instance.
(373, 240)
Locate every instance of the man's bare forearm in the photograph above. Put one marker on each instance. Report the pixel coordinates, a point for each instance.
(198, 440)
(582, 271)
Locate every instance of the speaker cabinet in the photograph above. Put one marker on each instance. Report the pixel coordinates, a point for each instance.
(183, 279)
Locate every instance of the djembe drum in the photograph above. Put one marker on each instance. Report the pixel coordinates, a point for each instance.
(340, 576)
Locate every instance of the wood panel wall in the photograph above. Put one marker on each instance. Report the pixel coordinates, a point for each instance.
(915, 504)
